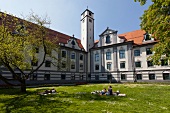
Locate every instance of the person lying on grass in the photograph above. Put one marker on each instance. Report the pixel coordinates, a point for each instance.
(52, 91)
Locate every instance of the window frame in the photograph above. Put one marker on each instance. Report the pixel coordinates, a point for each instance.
(63, 54)
(151, 75)
(63, 76)
(81, 57)
(137, 52)
(109, 65)
(108, 55)
(148, 51)
(139, 76)
(164, 62)
(96, 68)
(47, 63)
(81, 66)
(122, 65)
(150, 64)
(122, 54)
(136, 64)
(123, 77)
(96, 57)
(108, 41)
(73, 56)
(166, 76)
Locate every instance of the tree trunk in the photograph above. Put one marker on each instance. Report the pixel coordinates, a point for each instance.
(23, 86)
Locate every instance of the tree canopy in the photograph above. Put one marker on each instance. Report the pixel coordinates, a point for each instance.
(19, 41)
(156, 21)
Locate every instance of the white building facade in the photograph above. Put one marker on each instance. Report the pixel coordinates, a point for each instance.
(113, 58)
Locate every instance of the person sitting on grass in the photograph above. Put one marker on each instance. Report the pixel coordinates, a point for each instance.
(103, 92)
(109, 91)
(53, 91)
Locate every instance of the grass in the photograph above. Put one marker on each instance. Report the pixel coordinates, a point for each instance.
(141, 98)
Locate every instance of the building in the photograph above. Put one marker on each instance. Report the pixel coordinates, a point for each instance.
(112, 58)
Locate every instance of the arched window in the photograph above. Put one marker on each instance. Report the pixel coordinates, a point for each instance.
(107, 39)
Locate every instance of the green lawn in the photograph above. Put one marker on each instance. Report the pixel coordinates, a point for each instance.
(141, 98)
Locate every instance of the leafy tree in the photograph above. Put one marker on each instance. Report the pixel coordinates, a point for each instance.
(19, 41)
(156, 21)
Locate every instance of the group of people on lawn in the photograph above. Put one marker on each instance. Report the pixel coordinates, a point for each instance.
(52, 91)
(109, 91)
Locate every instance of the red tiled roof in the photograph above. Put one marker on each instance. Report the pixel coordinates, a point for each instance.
(136, 36)
(61, 38)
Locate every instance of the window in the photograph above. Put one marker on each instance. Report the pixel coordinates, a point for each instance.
(123, 77)
(33, 77)
(96, 57)
(89, 76)
(109, 66)
(81, 77)
(63, 65)
(47, 63)
(47, 77)
(147, 37)
(148, 51)
(96, 77)
(90, 20)
(90, 13)
(166, 76)
(150, 64)
(138, 64)
(81, 66)
(164, 62)
(109, 77)
(63, 54)
(108, 55)
(72, 66)
(81, 57)
(72, 77)
(139, 76)
(73, 43)
(63, 76)
(122, 64)
(73, 56)
(136, 52)
(108, 39)
(151, 76)
(96, 67)
(34, 63)
(121, 54)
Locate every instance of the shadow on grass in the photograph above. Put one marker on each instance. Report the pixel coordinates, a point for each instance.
(34, 103)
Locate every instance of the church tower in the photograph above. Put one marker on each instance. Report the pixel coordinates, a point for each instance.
(87, 29)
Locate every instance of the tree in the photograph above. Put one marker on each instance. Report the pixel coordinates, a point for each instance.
(19, 41)
(156, 21)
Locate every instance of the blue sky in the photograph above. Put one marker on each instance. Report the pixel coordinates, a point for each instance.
(121, 15)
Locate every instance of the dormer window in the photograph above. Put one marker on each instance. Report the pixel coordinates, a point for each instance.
(108, 39)
(73, 43)
(147, 37)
